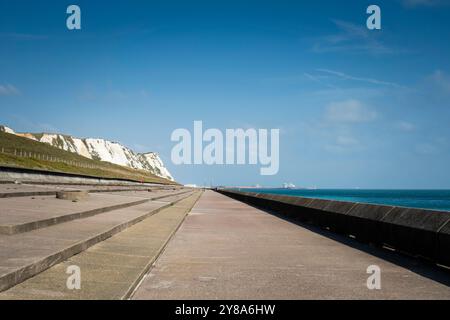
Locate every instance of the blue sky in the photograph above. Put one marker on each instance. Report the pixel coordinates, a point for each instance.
(356, 108)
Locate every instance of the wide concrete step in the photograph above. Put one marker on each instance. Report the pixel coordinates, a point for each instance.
(153, 195)
(112, 268)
(11, 190)
(25, 255)
(18, 215)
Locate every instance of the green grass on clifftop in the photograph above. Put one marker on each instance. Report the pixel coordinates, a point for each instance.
(68, 162)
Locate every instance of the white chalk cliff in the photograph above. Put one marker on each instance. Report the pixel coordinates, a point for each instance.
(101, 149)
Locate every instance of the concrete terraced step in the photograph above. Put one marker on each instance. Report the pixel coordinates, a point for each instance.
(18, 215)
(14, 190)
(27, 190)
(112, 268)
(169, 198)
(25, 255)
(146, 194)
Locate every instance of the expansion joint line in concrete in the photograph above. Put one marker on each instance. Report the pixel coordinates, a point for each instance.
(130, 292)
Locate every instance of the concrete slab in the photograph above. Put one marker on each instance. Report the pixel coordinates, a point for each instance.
(112, 268)
(27, 254)
(226, 249)
(174, 197)
(28, 213)
(8, 190)
(143, 194)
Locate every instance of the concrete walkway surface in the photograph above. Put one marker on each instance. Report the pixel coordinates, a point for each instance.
(226, 249)
(24, 255)
(112, 268)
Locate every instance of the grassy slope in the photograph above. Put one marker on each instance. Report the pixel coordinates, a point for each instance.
(103, 169)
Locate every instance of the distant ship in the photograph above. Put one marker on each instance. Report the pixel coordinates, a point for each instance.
(288, 185)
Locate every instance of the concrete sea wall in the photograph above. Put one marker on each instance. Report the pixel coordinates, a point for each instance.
(417, 232)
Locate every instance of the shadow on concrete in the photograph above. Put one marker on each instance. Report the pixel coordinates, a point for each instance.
(414, 264)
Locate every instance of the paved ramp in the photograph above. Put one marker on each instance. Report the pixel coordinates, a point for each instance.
(226, 249)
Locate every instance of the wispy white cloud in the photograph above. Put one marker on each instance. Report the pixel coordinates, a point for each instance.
(427, 3)
(440, 80)
(338, 129)
(116, 94)
(342, 144)
(8, 90)
(433, 145)
(349, 111)
(344, 76)
(338, 125)
(346, 140)
(405, 126)
(22, 36)
(92, 93)
(318, 79)
(426, 149)
(352, 38)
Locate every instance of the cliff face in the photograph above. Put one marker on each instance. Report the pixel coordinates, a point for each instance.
(7, 129)
(101, 149)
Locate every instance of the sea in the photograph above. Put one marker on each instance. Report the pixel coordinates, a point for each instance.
(425, 199)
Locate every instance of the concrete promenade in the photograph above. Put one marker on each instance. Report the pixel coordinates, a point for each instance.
(38, 232)
(112, 268)
(226, 249)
